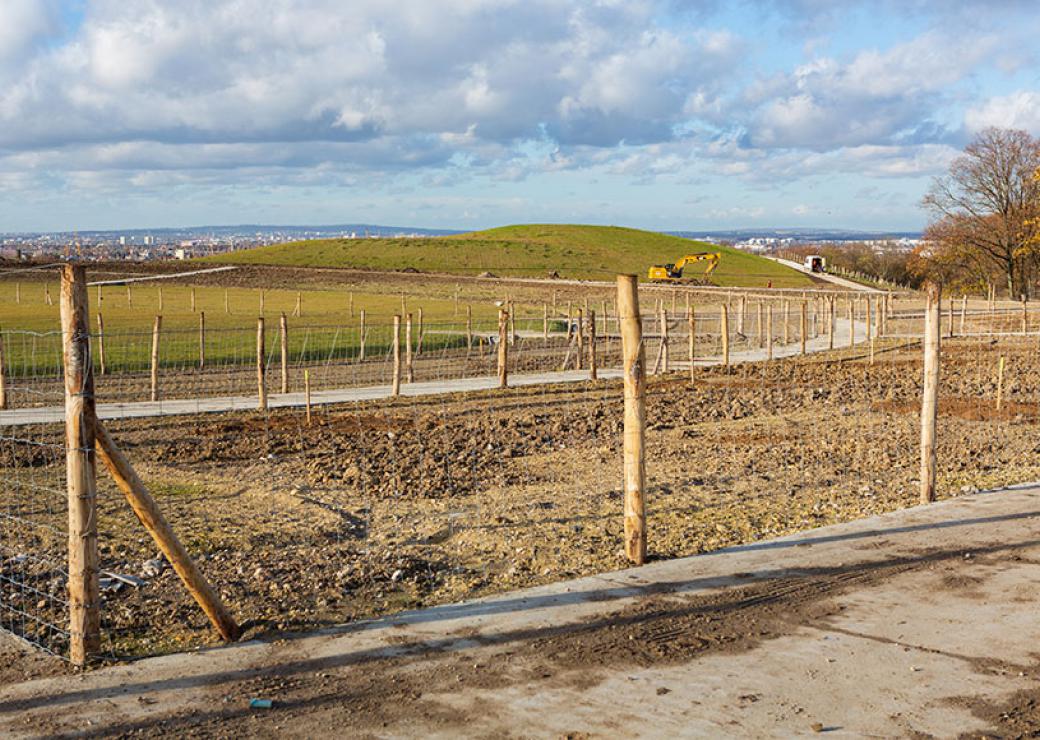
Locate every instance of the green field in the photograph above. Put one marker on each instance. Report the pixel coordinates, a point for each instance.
(586, 252)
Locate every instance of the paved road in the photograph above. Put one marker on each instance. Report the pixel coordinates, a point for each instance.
(893, 626)
(177, 407)
(848, 284)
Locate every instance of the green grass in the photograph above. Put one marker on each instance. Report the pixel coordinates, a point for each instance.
(586, 252)
(30, 327)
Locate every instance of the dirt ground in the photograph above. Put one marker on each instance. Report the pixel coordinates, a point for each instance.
(385, 506)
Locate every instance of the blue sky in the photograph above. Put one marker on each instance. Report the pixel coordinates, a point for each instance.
(666, 114)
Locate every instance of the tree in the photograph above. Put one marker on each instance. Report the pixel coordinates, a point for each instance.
(988, 202)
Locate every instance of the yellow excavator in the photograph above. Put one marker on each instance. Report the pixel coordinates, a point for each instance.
(674, 273)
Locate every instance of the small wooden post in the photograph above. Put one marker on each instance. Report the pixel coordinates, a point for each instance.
(787, 321)
(202, 340)
(580, 336)
(687, 294)
(409, 370)
(3, 376)
(870, 316)
(1000, 382)
(761, 329)
(930, 394)
(351, 304)
(503, 349)
(298, 310)
(101, 344)
(420, 333)
(363, 337)
(663, 320)
(852, 321)
(193, 299)
(512, 324)
(592, 345)
(724, 333)
(469, 327)
(949, 319)
(283, 341)
(307, 394)
(964, 311)
(156, 329)
(80, 468)
(160, 300)
(456, 299)
(404, 307)
(1025, 315)
(634, 355)
(227, 302)
(830, 322)
(691, 319)
(151, 517)
(545, 324)
(742, 314)
(18, 293)
(803, 328)
(263, 301)
(769, 333)
(261, 365)
(395, 389)
(129, 297)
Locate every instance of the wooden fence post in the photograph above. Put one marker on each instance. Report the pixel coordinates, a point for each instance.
(512, 324)
(129, 297)
(193, 299)
(469, 327)
(580, 337)
(830, 322)
(80, 467)
(227, 302)
(769, 333)
(202, 340)
(634, 355)
(592, 345)
(283, 341)
(1000, 382)
(930, 394)
(307, 394)
(964, 311)
(3, 376)
(869, 318)
(363, 337)
(724, 333)
(420, 333)
(351, 304)
(156, 330)
(740, 316)
(852, 321)
(761, 329)
(18, 293)
(503, 349)
(101, 344)
(664, 339)
(151, 517)
(298, 309)
(1025, 315)
(787, 321)
(456, 299)
(545, 324)
(409, 370)
(160, 300)
(395, 389)
(803, 325)
(263, 302)
(261, 365)
(691, 319)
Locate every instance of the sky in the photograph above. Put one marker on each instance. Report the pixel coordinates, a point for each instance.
(661, 114)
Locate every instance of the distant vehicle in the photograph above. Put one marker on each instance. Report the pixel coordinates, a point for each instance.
(673, 272)
(815, 263)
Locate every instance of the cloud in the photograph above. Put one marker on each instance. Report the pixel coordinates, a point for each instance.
(1018, 110)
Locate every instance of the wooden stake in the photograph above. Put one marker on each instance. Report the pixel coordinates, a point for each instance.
(395, 389)
(156, 329)
(852, 321)
(634, 355)
(664, 340)
(691, 319)
(592, 345)
(724, 333)
(949, 319)
(870, 316)
(3, 376)
(1025, 315)
(580, 336)
(283, 341)
(421, 334)
(160, 300)
(227, 303)
(101, 344)
(930, 394)
(742, 314)
(307, 394)
(803, 328)
(298, 310)
(964, 311)
(18, 293)
(80, 468)
(512, 324)
(503, 349)
(830, 322)
(787, 321)
(261, 365)
(409, 370)
(545, 324)
(456, 299)
(262, 302)
(129, 297)
(363, 336)
(769, 333)
(469, 327)
(761, 332)
(1000, 382)
(162, 533)
(193, 300)
(202, 340)
(352, 305)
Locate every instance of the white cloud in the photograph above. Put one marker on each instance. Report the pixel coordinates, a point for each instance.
(1017, 110)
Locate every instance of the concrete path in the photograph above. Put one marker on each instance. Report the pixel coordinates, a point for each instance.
(848, 284)
(180, 407)
(893, 626)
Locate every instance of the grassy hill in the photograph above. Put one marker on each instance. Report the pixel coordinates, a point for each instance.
(533, 250)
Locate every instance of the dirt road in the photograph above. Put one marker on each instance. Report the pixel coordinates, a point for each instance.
(912, 624)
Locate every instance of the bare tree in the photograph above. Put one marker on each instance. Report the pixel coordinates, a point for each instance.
(989, 199)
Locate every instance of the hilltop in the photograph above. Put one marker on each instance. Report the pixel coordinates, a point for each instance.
(530, 250)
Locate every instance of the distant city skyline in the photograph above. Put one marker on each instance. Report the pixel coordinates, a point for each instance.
(659, 114)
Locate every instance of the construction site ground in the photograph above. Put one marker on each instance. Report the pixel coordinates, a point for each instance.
(917, 623)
